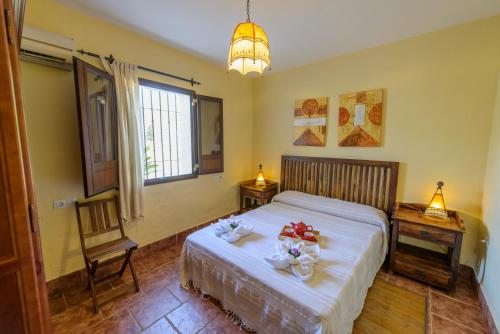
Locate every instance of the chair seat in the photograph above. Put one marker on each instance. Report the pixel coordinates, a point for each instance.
(118, 245)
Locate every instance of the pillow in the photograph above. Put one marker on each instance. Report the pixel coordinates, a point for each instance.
(349, 210)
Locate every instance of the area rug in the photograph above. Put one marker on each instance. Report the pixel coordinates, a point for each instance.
(391, 309)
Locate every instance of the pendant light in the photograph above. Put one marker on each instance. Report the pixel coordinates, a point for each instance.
(249, 48)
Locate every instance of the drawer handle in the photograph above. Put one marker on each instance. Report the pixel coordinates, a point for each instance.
(425, 234)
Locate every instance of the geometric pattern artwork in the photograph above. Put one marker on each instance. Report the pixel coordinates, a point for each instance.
(310, 122)
(360, 118)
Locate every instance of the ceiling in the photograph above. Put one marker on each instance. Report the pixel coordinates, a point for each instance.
(300, 31)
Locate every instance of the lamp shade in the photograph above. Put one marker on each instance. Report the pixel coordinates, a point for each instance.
(249, 49)
(437, 202)
(260, 180)
(436, 206)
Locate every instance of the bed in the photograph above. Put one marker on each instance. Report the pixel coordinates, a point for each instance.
(349, 202)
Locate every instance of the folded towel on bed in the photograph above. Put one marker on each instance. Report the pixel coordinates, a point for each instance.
(231, 229)
(296, 257)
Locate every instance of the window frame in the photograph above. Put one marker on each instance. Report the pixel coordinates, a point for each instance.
(194, 130)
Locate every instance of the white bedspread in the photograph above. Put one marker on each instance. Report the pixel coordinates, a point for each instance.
(353, 247)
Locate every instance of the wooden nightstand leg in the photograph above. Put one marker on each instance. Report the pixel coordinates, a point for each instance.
(455, 259)
(394, 244)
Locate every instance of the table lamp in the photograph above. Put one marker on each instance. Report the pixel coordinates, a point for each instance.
(260, 181)
(436, 207)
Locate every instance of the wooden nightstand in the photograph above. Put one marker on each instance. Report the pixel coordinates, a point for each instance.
(263, 194)
(432, 267)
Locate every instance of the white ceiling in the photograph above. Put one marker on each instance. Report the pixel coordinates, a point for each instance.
(300, 31)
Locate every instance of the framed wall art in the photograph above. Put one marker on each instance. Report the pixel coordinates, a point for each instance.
(360, 118)
(310, 122)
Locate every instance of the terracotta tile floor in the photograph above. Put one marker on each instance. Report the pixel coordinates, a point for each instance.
(163, 307)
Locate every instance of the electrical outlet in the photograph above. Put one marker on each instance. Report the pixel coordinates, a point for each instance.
(64, 203)
(218, 177)
(486, 241)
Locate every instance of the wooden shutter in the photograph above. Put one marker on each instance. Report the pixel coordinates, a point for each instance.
(210, 135)
(96, 100)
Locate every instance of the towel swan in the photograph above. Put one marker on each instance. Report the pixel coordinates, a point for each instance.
(231, 229)
(295, 257)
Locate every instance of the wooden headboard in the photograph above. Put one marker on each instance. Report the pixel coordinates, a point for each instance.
(362, 181)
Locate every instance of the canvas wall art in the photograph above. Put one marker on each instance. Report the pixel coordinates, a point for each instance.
(360, 118)
(310, 122)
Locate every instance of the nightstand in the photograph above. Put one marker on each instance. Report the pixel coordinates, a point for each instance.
(263, 194)
(431, 267)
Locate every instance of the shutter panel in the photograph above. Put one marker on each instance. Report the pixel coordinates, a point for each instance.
(96, 101)
(210, 135)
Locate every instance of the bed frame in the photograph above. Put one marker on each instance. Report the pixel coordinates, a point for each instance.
(367, 182)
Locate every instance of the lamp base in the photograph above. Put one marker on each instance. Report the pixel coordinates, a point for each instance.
(260, 183)
(437, 214)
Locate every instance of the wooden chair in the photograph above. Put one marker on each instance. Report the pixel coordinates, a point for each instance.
(100, 223)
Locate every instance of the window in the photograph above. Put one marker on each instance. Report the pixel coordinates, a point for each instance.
(169, 133)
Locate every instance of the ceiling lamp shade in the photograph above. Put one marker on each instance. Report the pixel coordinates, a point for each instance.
(249, 48)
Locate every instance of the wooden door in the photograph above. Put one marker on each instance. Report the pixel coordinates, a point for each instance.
(23, 302)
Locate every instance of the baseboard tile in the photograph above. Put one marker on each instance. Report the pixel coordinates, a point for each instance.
(490, 322)
(483, 305)
(79, 277)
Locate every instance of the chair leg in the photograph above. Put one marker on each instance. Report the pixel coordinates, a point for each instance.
(134, 276)
(91, 273)
(93, 268)
(94, 297)
(125, 262)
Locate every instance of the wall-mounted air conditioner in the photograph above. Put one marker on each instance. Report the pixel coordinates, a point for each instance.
(46, 48)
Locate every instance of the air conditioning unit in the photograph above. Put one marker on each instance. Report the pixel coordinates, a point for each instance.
(46, 48)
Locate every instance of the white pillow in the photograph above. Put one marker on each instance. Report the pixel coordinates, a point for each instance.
(349, 210)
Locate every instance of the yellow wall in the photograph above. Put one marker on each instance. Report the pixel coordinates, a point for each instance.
(54, 141)
(490, 269)
(439, 96)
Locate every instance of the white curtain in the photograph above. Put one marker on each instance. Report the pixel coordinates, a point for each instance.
(130, 139)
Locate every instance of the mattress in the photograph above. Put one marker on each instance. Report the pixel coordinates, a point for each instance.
(353, 247)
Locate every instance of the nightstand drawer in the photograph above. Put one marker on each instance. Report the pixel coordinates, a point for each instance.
(414, 271)
(427, 233)
(252, 193)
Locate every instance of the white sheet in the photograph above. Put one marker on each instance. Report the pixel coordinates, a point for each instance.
(274, 301)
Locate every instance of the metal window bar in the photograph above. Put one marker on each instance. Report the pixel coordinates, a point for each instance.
(162, 126)
(169, 135)
(177, 134)
(144, 132)
(153, 128)
(161, 134)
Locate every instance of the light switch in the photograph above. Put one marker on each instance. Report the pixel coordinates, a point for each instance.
(64, 203)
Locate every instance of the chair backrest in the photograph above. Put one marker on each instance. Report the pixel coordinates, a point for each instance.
(101, 219)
